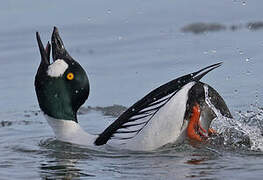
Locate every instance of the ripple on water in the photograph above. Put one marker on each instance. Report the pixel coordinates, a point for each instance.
(56, 159)
(113, 111)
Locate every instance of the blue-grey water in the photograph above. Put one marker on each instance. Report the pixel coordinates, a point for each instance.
(129, 48)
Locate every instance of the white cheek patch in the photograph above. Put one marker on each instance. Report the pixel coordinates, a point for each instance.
(57, 68)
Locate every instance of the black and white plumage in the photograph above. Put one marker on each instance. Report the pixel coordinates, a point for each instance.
(159, 118)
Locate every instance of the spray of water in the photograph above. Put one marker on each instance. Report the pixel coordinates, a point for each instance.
(245, 130)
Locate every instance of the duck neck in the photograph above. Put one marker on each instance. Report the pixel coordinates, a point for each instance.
(70, 131)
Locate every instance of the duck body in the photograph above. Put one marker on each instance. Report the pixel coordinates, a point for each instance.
(178, 110)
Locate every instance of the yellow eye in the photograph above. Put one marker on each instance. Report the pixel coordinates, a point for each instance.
(70, 76)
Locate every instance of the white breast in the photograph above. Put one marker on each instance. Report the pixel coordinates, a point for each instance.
(70, 131)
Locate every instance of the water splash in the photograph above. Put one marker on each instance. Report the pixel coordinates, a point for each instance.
(244, 131)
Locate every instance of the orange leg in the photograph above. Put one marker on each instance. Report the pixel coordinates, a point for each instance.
(194, 129)
(211, 131)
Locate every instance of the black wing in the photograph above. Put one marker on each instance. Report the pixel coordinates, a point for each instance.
(134, 119)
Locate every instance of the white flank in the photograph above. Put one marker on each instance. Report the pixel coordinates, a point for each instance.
(57, 68)
(165, 127)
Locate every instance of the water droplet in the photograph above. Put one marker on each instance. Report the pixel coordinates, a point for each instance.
(247, 59)
(154, 99)
(228, 78)
(213, 51)
(248, 72)
(77, 91)
(133, 109)
(56, 96)
(236, 91)
(241, 52)
(139, 12)
(108, 11)
(158, 50)
(244, 3)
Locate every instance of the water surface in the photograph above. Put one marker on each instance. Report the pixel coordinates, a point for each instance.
(129, 48)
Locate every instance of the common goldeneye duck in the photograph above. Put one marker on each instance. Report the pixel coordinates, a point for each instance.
(180, 109)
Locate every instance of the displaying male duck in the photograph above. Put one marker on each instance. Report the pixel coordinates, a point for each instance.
(180, 109)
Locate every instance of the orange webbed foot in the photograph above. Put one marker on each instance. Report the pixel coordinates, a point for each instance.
(211, 131)
(194, 129)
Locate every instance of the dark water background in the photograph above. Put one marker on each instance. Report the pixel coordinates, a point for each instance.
(128, 48)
